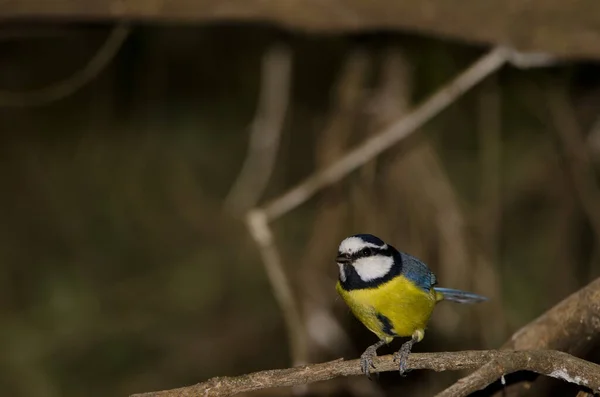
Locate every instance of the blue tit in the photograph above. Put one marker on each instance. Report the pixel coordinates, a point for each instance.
(392, 293)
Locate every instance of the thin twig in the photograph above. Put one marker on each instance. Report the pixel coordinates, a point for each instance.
(445, 96)
(265, 131)
(73, 83)
(261, 233)
(530, 59)
(547, 362)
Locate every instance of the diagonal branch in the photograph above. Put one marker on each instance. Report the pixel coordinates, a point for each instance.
(404, 127)
(547, 362)
(374, 146)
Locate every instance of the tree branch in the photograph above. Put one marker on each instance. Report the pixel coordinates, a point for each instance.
(565, 28)
(547, 362)
(365, 152)
(570, 326)
(552, 363)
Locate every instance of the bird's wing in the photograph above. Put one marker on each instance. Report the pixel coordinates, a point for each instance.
(417, 272)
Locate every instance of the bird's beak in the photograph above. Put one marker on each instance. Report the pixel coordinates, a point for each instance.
(344, 259)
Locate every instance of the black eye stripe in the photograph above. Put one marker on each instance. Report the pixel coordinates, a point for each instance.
(367, 251)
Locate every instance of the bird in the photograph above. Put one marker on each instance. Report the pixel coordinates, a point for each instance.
(391, 292)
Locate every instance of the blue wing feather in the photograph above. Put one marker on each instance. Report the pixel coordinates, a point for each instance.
(420, 274)
(416, 271)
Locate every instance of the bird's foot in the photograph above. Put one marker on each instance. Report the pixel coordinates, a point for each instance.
(401, 356)
(366, 359)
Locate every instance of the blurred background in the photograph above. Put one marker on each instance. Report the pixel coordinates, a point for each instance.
(125, 262)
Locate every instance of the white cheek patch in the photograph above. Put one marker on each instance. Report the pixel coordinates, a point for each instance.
(355, 244)
(342, 272)
(373, 267)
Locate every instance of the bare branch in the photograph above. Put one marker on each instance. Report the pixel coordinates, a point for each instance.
(552, 363)
(566, 28)
(401, 129)
(445, 96)
(547, 362)
(570, 326)
(265, 131)
(531, 60)
(73, 83)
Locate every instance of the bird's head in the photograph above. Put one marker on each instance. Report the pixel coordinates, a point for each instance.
(366, 256)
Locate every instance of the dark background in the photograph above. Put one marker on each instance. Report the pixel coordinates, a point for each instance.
(122, 271)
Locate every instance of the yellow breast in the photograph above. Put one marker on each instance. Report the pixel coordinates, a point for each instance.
(396, 308)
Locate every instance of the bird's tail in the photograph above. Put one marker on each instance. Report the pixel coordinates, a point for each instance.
(459, 296)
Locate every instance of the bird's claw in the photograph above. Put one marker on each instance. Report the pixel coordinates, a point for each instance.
(401, 356)
(366, 362)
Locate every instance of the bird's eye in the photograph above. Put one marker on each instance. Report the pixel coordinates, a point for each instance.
(366, 251)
